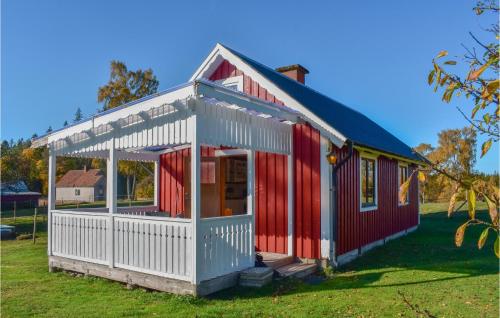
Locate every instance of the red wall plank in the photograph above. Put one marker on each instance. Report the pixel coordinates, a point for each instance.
(271, 212)
(307, 203)
(172, 181)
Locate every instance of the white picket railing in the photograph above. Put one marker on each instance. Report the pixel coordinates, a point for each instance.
(153, 245)
(226, 245)
(80, 235)
(159, 246)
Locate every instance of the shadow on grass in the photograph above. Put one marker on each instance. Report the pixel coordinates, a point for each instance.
(427, 255)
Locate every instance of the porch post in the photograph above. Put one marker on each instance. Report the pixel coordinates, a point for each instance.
(111, 185)
(51, 198)
(250, 197)
(195, 200)
(157, 183)
(326, 205)
(291, 200)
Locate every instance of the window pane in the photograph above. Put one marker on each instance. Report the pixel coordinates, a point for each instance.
(368, 182)
(403, 176)
(363, 180)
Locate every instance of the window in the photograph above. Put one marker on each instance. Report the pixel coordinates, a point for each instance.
(368, 184)
(403, 176)
(234, 83)
(77, 192)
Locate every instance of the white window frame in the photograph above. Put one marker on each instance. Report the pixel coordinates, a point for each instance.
(231, 81)
(77, 192)
(375, 206)
(403, 164)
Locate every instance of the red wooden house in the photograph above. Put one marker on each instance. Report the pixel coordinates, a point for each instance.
(365, 210)
(247, 158)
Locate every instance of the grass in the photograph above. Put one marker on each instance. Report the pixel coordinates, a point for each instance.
(423, 268)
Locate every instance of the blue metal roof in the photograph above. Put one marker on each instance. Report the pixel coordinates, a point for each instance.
(352, 124)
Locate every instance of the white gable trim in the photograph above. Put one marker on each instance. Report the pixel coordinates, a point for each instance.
(220, 53)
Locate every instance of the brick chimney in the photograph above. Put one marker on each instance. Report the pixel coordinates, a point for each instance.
(295, 71)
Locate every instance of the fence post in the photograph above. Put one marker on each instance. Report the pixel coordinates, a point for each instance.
(15, 212)
(34, 226)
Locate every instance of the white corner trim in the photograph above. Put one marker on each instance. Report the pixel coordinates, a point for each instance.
(208, 63)
(374, 157)
(326, 204)
(220, 53)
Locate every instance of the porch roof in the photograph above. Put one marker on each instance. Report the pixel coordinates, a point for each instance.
(243, 117)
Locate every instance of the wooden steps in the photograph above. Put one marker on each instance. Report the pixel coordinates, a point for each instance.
(296, 270)
(277, 265)
(256, 276)
(275, 260)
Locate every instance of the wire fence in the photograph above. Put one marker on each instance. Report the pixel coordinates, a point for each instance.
(26, 221)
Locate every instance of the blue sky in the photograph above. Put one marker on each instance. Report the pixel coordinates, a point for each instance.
(373, 56)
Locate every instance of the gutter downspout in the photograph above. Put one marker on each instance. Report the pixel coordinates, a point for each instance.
(333, 200)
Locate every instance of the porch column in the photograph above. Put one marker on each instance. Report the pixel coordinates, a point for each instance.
(111, 185)
(157, 183)
(251, 196)
(51, 198)
(195, 201)
(291, 214)
(326, 205)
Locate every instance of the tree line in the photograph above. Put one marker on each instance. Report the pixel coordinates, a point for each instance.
(455, 153)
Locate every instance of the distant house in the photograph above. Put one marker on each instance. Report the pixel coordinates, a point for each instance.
(18, 192)
(81, 186)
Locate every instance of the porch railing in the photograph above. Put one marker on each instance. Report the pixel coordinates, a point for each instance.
(155, 245)
(80, 235)
(159, 246)
(226, 245)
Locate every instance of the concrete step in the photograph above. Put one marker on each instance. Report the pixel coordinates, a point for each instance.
(296, 270)
(275, 260)
(256, 276)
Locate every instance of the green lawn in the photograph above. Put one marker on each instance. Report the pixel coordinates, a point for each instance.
(424, 267)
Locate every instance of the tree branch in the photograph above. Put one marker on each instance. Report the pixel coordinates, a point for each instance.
(479, 42)
(478, 127)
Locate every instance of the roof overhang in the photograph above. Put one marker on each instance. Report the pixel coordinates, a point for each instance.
(365, 149)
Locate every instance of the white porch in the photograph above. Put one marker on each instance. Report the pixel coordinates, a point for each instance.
(137, 244)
